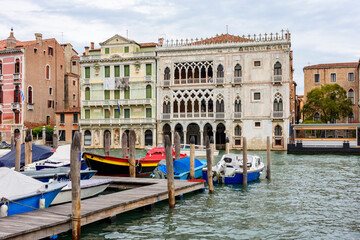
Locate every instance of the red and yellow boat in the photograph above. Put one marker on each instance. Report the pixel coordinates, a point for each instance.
(109, 165)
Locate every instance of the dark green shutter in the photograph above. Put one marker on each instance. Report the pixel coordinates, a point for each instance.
(148, 91)
(117, 114)
(87, 114)
(107, 50)
(126, 49)
(107, 94)
(87, 94)
(87, 72)
(107, 71)
(117, 71)
(148, 113)
(126, 70)
(126, 113)
(127, 94)
(117, 94)
(107, 114)
(148, 69)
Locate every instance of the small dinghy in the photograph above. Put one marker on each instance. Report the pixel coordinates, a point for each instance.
(89, 188)
(19, 193)
(61, 174)
(229, 170)
(181, 169)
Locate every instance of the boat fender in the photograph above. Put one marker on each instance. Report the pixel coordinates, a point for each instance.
(42, 203)
(4, 210)
(139, 167)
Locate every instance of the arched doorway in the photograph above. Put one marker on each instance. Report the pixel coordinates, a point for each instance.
(105, 135)
(166, 131)
(208, 131)
(220, 136)
(180, 130)
(193, 130)
(148, 138)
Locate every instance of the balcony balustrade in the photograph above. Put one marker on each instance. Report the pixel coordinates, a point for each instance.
(110, 121)
(147, 78)
(166, 83)
(277, 79)
(114, 102)
(219, 80)
(166, 116)
(220, 115)
(30, 106)
(237, 115)
(16, 76)
(86, 80)
(15, 106)
(237, 80)
(277, 114)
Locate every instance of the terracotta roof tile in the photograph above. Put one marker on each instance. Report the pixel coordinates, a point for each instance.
(72, 74)
(150, 44)
(75, 56)
(333, 65)
(95, 49)
(24, 44)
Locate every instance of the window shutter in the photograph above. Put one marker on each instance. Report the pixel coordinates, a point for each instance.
(107, 71)
(117, 71)
(107, 94)
(148, 69)
(117, 94)
(126, 70)
(87, 114)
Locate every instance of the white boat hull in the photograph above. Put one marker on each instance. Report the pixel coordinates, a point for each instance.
(65, 195)
(198, 152)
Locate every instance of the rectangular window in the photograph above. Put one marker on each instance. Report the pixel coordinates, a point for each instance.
(106, 113)
(107, 94)
(117, 94)
(126, 49)
(62, 118)
(50, 91)
(148, 113)
(75, 118)
(87, 72)
(117, 71)
(74, 63)
(126, 70)
(333, 77)
(316, 78)
(350, 76)
(126, 113)
(257, 96)
(74, 83)
(116, 113)
(107, 71)
(74, 97)
(148, 69)
(127, 94)
(50, 51)
(50, 104)
(87, 113)
(62, 135)
(257, 124)
(257, 63)
(107, 50)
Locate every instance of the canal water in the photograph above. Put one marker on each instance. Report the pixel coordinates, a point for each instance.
(308, 197)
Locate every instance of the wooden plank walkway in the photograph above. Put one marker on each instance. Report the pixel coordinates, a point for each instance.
(55, 220)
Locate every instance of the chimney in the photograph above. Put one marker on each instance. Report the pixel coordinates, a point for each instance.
(86, 51)
(38, 37)
(11, 40)
(92, 46)
(160, 41)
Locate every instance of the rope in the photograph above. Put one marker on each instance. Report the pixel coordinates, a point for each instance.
(6, 201)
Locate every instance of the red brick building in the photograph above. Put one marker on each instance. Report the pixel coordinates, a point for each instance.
(32, 85)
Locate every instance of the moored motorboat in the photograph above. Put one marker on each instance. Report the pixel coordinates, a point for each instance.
(89, 188)
(61, 174)
(200, 151)
(19, 193)
(181, 169)
(229, 170)
(109, 165)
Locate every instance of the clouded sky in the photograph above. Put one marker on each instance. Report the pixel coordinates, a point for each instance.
(323, 31)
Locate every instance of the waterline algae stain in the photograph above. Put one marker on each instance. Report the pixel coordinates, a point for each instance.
(309, 196)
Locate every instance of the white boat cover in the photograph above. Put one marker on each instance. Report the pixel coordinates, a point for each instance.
(13, 184)
(62, 154)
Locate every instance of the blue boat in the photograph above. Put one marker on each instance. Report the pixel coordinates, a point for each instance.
(61, 174)
(229, 170)
(20, 193)
(181, 169)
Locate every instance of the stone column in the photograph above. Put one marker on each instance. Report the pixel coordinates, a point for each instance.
(202, 139)
(185, 138)
(214, 135)
(154, 137)
(172, 136)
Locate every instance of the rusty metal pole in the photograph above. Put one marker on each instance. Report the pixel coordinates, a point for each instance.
(170, 171)
(75, 185)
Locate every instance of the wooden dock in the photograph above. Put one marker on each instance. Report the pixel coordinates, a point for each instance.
(55, 220)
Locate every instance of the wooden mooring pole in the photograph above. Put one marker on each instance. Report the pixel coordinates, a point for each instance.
(132, 170)
(212, 149)
(177, 145)
(124, 145)
(55, 141)
(192, 157)
(227, 146)
(28, 149)
(107, 142)
(75, 158)
(244, 162)
(18, 155)
(209, 165)
(170, 171)
(12, 143)
(268, 154)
